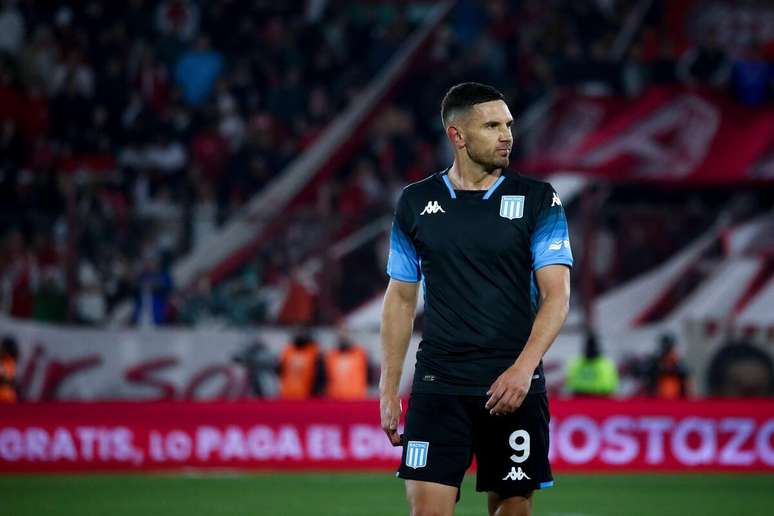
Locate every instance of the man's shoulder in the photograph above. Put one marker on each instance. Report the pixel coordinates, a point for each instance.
(528, 183)
(428, 184)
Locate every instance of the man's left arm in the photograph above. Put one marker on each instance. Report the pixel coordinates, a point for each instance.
(509, 390)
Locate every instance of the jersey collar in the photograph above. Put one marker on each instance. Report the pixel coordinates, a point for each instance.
(487, 194)
(449, 186)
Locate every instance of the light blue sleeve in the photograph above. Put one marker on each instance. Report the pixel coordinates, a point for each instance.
(403, 261)
(551, 239)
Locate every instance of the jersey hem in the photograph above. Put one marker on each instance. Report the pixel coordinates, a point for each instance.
(568, 263)
(459, 390)
(400, 277)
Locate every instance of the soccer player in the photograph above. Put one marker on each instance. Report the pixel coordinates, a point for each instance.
(492, 252)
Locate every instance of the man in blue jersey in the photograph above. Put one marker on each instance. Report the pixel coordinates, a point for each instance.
(492, 252)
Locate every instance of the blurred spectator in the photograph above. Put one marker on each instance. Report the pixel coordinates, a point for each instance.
(635, 74)
(592, 373)
(665, 375)
(231, 126)
(178, 19)
(12, 28)
(39, 57)
(209, 152)
(9, 357)
(90, 302)
(152, 81)
(19, 276)
(346, 370)
(205, 214)
(663, 69)
(70, 110)
(199, 306)
(50, 304)
(299, 306)
(259, 365)
(75, 74)
(751, 78)
(706, 63)
(289, 97)
(740, 370)
(197, 70)
(166, 155)
(300, 369)
(154, 286)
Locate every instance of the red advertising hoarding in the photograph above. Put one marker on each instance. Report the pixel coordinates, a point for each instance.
(587, 435)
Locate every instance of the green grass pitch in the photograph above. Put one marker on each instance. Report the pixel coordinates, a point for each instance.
(371, 494)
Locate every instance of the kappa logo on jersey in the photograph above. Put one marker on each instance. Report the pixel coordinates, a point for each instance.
(512, 206)
(432, 207)
(416, 454)
(516, 474)
(555, 200)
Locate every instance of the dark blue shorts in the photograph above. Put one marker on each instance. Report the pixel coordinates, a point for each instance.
(444, 432)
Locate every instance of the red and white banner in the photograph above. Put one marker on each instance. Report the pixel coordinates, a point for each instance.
(88, 364)
(66, 363)
(677, 135)
(587, 435)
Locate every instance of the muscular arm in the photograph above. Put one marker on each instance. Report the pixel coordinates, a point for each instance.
(397, 324)
(554, 284)
(511, 387)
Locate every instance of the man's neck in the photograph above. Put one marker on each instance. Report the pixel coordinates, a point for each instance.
(471, 176)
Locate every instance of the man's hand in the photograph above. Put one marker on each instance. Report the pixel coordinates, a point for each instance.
(509, 390)
(390, 409)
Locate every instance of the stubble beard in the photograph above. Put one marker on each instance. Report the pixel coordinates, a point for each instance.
(489, 163)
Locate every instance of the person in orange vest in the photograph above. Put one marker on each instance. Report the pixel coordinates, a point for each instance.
(346, 370)
(666, 376)
(300, 369)
(9, 355)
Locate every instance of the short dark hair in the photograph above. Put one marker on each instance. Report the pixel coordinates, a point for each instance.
(465, 95)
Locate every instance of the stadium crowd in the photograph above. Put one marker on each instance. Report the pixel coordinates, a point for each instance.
(132, 130)
(129, 132)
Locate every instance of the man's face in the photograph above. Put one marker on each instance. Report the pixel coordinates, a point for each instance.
(486, 129)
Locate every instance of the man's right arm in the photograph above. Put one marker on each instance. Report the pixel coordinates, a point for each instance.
(400, 303)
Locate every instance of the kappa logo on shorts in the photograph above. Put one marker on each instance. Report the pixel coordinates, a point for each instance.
(516, 474)
(416, 454)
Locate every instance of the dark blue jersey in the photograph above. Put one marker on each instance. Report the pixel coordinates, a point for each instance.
(476, 253)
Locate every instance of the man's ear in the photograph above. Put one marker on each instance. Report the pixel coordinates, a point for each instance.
(455, 137)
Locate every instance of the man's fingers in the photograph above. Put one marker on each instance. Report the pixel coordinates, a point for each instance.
(391, 429)
(497, 392)
(394, 437)
(502, 407)
(391, 411)
(391, 425)
(508, 403)
(493, 388)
